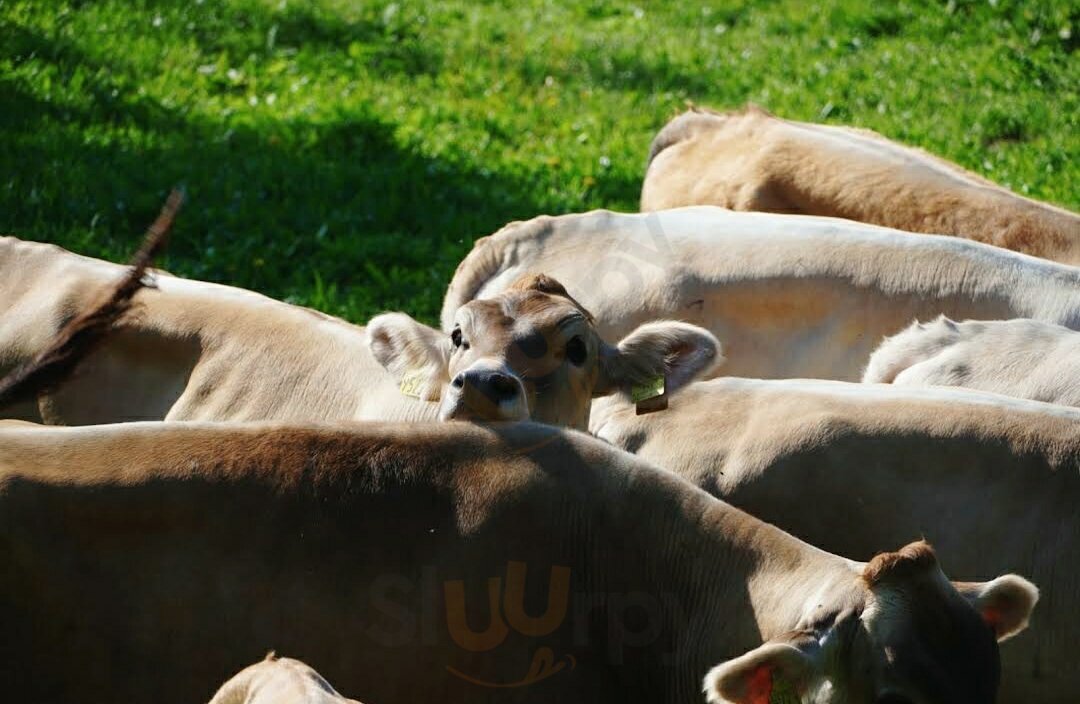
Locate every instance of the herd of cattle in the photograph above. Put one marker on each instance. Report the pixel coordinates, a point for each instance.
(642, 537)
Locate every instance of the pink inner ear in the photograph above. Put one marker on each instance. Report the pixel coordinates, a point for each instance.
(759, 688)
(992, 616)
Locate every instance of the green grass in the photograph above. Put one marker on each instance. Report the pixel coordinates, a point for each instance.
(345, 154)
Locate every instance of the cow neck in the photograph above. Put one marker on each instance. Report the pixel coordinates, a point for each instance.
(735, 582)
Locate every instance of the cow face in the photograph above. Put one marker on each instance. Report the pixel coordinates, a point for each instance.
(908, 637)
(533, 352)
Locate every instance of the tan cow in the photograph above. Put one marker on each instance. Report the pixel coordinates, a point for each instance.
(751, 160)
(532, 351)
(278, 681)
(790, 295)
(189, 351)
(1023, 358)
(53, 363)
(447, 563)
(992, 481)
(198, 351)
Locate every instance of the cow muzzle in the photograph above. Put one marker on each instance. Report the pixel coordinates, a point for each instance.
(484, 393)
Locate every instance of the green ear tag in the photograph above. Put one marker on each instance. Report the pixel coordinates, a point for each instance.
(783, 693)
(650, 389)
(649, 397)
(412, 382)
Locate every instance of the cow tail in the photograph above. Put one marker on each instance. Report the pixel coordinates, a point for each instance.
(55, 364)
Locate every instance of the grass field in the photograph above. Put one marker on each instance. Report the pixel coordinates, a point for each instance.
(345, 155)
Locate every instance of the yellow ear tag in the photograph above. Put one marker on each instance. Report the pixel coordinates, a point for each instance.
(783, 693)
(649, 396)
(650, 389)
(412, 382)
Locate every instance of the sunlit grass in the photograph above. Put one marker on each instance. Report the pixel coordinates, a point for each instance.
(345, 155)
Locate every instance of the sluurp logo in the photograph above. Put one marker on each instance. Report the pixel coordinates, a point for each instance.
(508, 613)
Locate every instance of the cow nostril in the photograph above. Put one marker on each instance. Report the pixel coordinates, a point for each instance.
(503, 387)
(458, 382)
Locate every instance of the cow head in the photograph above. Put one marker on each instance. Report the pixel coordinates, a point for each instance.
(906, 635)
(533, 352)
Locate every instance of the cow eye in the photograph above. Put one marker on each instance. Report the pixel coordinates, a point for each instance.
(576, 351)
(455, 337)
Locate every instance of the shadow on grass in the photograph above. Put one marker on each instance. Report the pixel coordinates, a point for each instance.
(337, 214)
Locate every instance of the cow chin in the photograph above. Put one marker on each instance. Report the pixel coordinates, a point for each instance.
(455, 406)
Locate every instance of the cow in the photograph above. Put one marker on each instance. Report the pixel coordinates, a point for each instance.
(790, 296)
(751, 160)
(1024, 358)
(277, 680)
(53, 364)
(992, 481)
(191, 350)
(449, 562)
(188, 350)
(533, 351)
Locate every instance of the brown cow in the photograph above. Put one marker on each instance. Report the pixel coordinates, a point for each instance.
(198, 351)
(751, 160)
(533, 352)
(993, 481)
(448, 562)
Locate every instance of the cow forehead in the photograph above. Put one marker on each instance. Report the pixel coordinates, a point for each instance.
(521, 313)
(932, 640)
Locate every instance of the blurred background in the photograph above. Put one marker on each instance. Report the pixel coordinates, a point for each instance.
(345, 155)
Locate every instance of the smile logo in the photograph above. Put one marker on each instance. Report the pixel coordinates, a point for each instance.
(511, 615)
(543, 666)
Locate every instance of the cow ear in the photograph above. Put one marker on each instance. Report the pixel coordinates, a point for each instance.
(1004, 603)
(775, 673)
(413, 353)
(676, 352)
